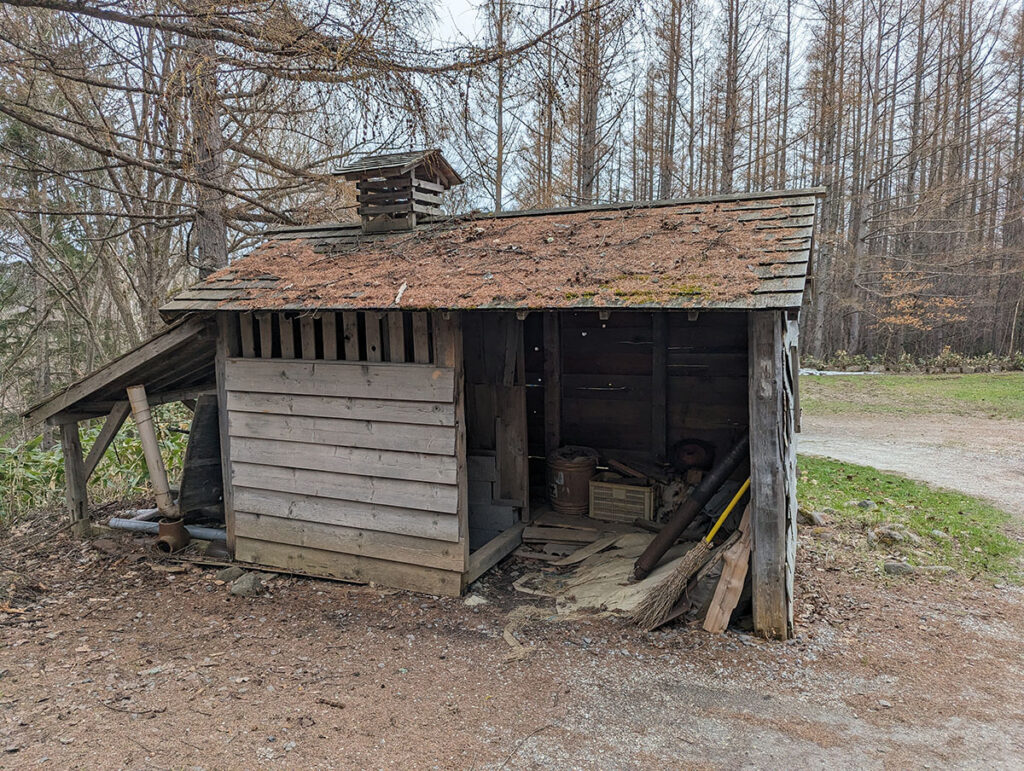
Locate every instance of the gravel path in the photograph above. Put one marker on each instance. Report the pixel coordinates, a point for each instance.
(979, 456)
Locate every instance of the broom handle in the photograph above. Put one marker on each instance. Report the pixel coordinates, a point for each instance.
(728, 510)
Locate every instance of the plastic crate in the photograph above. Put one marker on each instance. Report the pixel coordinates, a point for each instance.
(615, 499)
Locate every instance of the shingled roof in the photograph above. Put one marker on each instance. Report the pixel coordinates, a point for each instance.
(391, 164)
(731, 251)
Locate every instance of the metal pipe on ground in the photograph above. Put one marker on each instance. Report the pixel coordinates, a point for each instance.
(151, 449)
(690, 508)
(140, 526)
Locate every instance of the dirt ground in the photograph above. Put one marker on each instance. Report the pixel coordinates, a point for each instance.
(117, 663)
(975, 455)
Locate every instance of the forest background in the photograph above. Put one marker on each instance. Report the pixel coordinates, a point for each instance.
(144, 143)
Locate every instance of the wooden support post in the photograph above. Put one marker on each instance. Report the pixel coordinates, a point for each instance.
(772, 461)
(75, 479)
(151, 449)
(448, 353)
(110, 428)
(659, 384)
(552, 382)
(225, 352)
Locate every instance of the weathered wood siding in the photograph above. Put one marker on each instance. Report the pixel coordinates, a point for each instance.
(347, 469)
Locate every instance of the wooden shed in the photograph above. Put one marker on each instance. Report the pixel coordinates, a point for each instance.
(389, 389)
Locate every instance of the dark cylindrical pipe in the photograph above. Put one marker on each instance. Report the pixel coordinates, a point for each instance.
(688, 510)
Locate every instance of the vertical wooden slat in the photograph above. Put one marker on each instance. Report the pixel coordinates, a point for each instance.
(245, 322)
(448, 353)
(307, 333)
(287, 332)
(350, 329)
(266, 335)
(396, 336)
(552, 382)
(223, 353)
(373, 341)
(75, 489)
(659, 384)
(329, 324)
(768, 472)
(420, 338)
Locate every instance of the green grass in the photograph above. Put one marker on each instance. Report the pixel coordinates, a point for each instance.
(980, 538)
(989, 395)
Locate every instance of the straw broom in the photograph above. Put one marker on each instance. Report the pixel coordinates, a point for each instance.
(662, 598)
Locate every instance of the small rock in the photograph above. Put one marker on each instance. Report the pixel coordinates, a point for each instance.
(867, 505)
(938, 535)
(229, 574)
(474, 600)
(806, 517)
(248, 585)
(885, 704)
(894, 568)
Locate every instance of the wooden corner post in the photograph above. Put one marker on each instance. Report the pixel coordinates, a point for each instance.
(228, 344)
(772, 475)
(75, 478)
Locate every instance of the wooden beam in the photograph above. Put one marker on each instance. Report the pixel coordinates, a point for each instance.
(659, 384)
(110, 428)
(492, 552)
(151, 449)
(769, 446)
(552, 382)
(75, 490)
(119, 368)
(224, 352)
(373, 341)
(448, 352)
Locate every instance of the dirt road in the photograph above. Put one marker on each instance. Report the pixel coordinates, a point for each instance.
(112, 662)
(980, 456)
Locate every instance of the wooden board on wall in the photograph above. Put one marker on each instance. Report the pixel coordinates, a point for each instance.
(347, 469)
(351, 567)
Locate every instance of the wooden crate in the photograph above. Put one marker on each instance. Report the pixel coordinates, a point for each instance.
(614, 499)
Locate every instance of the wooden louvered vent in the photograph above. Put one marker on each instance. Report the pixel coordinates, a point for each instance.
(400, 190)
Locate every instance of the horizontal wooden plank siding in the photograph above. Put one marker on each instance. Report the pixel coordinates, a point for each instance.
(347, 469)
(355, 460)
(357, 380)
(351, 567)
(382, 410)
(370, 516)
(353, 540)
(437, 440)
